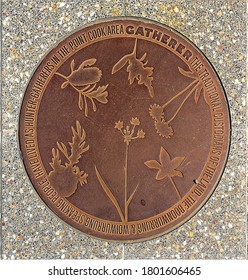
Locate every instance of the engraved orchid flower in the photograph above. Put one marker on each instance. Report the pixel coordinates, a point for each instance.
(137, 69)
(84, 80)
(167, 167)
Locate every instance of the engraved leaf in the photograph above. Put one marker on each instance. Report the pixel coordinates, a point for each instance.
(72, 65)
(100, 94)
(177, 173)
(80, 102)
(160, 175)
(143, 58)
(87, 62)
(164, 157)
(102, 98)
(64, 84)
(177, 161)
(63, 149)
(82, 176)
(206, 97)
(77, 144)
(93, 105)
(56, 162)
(132, 195)
(187, 73)
(86, 109)
(109, 194)
(120, 64)
(197, 94)
(153, 164)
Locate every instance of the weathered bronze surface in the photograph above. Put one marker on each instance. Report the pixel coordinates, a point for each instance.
(124, 129)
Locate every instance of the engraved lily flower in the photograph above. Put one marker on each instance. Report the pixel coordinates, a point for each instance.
(167, 167)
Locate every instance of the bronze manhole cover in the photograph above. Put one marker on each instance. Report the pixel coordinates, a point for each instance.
(124, 129)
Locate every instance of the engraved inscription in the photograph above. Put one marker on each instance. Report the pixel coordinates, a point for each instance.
(84, 81)
(164, 38)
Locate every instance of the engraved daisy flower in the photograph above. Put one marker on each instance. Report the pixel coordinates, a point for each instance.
(163, 129)
(156, 112)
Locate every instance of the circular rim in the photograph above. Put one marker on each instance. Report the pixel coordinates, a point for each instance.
(229, 130)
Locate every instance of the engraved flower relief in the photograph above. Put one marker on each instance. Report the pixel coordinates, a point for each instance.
(129, 133)
(166, 167)
(84, 81)
(163, 127)
(136, 69)
(156, 112)
(65, 177)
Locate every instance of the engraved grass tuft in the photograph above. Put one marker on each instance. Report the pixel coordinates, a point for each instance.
(128, 133)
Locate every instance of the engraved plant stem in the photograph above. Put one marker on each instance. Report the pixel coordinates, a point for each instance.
(174, 185)
(128, 135)
(86, 105)
(109, 194)
(125, 187)
(180, 93)
(180, 107)
(61, 75)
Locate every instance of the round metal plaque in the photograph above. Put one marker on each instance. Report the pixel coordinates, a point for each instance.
(124, 129)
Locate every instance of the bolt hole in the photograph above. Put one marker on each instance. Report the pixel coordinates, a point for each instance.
(143, 202)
